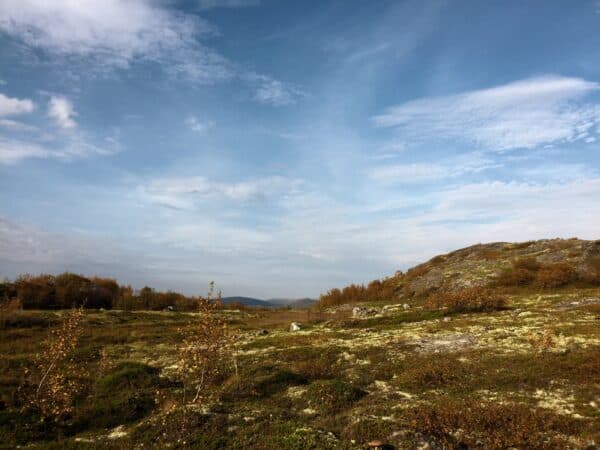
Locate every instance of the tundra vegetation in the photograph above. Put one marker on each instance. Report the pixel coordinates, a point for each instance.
(492, 346)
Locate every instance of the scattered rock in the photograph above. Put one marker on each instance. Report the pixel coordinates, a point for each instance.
(428, 282)
(360, 312)
(263, 332)
(449, 343)
(117, 433)
(406, 306)
(578, 303)
(295, 326)
(447, 319)
(389, 308)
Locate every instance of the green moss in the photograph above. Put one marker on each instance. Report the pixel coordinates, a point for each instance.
(129, 375)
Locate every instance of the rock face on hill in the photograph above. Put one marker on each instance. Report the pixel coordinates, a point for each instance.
(479, 264)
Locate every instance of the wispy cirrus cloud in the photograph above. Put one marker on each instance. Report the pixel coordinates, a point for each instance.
(523, 114)
(210, 4)
(454, 167)
(186, 192)
(14, 150)
(267, 90)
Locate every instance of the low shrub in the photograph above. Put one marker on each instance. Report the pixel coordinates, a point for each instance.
(529, 272)
(260, 383)
(333, 395)
(125, 394)
(528, 263)
(369, 428)
(26, 319)
(475, 299)
(522, 273)
(432, 372)
(555, 275)
(515, 277)
(320, 368)
(458, 424)
(112, 410)
(129, 375)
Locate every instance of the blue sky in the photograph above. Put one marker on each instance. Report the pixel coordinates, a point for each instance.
(282, 148)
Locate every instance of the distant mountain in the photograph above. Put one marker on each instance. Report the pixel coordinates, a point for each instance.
(248, 301)
(293, 302)
(270, 303)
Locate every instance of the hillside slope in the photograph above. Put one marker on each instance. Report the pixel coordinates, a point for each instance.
(535, 265)
(480, 264)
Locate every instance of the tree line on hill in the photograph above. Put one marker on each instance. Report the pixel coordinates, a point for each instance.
(376, 290)
(69, 290)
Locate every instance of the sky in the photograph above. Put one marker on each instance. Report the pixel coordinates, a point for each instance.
(282, 148)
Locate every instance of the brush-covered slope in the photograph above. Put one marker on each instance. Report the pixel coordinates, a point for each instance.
(483, 263)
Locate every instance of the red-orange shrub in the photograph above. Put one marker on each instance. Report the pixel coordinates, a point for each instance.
(471, 299)
(555, 275)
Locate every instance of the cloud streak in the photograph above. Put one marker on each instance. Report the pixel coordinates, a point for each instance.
(186, 192)
(523, 114)
(210, 4)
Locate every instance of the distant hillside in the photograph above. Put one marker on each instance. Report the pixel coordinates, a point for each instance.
(270, 303)
(248, 301)
(302, 303)
(293, 302)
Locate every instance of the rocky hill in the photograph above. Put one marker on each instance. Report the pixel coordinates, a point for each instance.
(482, 263)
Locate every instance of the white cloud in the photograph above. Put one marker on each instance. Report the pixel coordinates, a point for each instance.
(273, 92)
(13, 106)
(194, 124)
(210, 4)
(27, 248)
(115, 33)
(102, 36)
(522, 114)
(183, 193)
(426, 172)
(14, 125)
(60, 109)
(13, 151)
(409, 173)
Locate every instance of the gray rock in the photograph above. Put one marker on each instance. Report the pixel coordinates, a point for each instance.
(295, 326)
(357, 311)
